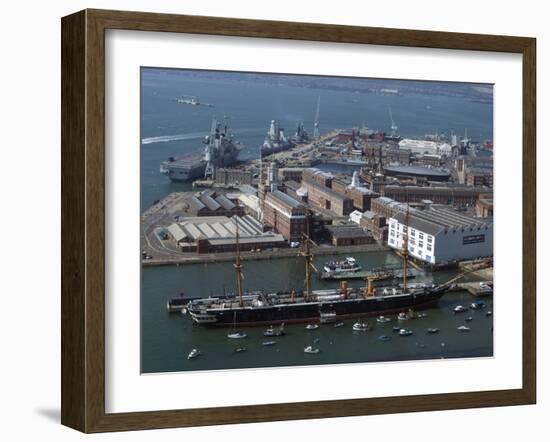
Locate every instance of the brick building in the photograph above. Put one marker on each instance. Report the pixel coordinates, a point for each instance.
(232, 177)
(376, 224)
(210, 203)
(455, 195)
(346, 235)
(284, 215)
(326, 198)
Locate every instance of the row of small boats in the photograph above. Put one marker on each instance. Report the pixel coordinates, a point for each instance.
(359, 326)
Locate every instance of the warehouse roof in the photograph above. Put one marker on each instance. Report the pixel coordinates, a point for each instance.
(434, 221)
(346, 231)
(289, 201)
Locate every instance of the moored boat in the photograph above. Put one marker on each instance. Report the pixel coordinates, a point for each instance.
(360, 326)
(312, 326)
(237, 335)
(193, 354)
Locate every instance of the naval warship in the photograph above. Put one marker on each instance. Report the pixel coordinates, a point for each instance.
(276, 140)
(219, 150)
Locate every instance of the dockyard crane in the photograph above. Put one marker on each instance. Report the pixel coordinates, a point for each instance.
(316, 133)
(393, 125)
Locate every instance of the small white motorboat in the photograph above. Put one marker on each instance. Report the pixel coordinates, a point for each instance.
(489, 313)
(312, 326)
(271, 331)
(460, 309)
(463, 328)
(433, 330)
(193, 353)
(405, 332)
(310, 350)
(468, 318)
(360, 326)
(338, 324)
(269, 343)
(402, 316)
(477, 305)
(383, 319)
(237, 335)
(240, 349)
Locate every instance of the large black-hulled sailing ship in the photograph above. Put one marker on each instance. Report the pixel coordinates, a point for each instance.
(259, 308)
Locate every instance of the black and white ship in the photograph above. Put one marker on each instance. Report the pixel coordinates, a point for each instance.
(307, 305)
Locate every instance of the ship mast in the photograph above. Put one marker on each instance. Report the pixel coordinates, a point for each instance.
(308, 257)
(238, 267)
(406, 250)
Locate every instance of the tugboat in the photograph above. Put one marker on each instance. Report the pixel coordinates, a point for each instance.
(348, 265)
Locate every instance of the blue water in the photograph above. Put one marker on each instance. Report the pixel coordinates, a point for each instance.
(170, 129)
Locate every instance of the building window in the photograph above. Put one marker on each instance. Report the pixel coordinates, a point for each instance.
(429, 248)
(421, 244)
(430, 238)
(421, 235)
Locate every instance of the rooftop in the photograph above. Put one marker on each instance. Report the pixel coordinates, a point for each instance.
(434, 221)
(418, 170)
(346, 231)
(289, 201)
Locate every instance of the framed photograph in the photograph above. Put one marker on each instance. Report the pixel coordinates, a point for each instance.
(266, 221)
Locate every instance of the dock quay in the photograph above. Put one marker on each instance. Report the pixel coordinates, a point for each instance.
(477, 288)
(194, 258)
(483, 288)
(375, 274)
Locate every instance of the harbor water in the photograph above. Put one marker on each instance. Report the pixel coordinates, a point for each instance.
(167, 338)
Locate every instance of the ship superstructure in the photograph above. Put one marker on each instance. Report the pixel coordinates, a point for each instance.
(219, 150)
(276, 140)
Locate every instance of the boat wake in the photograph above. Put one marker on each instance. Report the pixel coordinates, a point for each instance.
(189, 136)
(168, 138)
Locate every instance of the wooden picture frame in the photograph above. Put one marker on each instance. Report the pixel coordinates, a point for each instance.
(83, 210)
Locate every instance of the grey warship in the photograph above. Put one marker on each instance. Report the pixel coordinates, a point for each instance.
(219, 150)
(276, 140)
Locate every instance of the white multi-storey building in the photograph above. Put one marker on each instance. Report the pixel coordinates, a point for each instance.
(439, 236)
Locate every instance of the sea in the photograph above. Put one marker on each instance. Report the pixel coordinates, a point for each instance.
(248, 102)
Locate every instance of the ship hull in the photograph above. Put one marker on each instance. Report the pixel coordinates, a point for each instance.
(311, 311)
(266, 151)
(185, 169)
